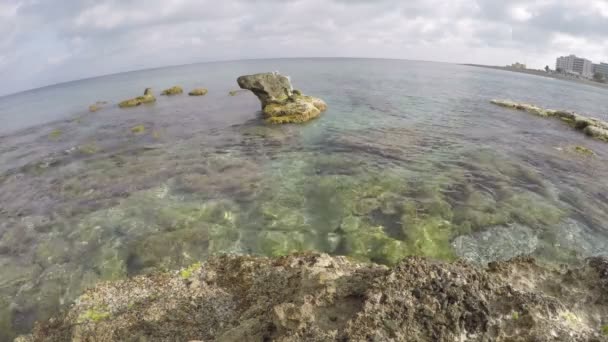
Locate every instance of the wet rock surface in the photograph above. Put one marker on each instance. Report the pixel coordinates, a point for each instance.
(175, 90)
(198, 92)
(280, 103)
(321, 298)
(147, 97)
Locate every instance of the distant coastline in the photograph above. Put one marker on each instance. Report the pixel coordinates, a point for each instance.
(543, 73)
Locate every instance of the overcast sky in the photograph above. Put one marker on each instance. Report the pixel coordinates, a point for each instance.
(49, 41)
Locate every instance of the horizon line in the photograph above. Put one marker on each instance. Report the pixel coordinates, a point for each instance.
(208, 62)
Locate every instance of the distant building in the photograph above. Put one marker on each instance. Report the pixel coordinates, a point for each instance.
(601, 69)
(517, 65)
(573, 64)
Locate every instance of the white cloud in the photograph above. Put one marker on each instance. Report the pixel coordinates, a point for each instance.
(117, 35)
(520, 13)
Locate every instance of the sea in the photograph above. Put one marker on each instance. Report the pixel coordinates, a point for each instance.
(410, 159)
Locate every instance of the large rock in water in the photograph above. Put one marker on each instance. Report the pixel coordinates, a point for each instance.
(280, 103)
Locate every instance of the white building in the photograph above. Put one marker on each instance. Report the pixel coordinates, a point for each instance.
(581, 66)
(601, 69)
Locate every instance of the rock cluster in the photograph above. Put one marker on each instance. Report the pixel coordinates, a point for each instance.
(147, 97)
(312, 297)
(592, 127)
(280, 103)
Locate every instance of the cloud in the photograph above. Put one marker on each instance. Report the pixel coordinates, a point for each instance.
(45, 42)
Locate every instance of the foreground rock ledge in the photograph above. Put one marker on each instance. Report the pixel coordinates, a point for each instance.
(280, 103)
(323, 298)
(593, 127)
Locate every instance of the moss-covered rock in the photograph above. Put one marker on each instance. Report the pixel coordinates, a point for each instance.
(430, 237)
(198, 92)
(139, 129)
(97, 106)
(168, 250)
(295, 109)
(372, 243)
(279, 243)
(524, 107)
(55, 134)
(584, 150)
(172, 91)
(148, 97)
(52, 250)
(279, 103)
(236, 92)
(597, 132)
(591, 126)
(6, 320)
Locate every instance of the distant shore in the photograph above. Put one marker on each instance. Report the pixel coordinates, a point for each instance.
(543, 73)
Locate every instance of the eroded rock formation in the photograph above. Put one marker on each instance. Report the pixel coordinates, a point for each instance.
(280, 103)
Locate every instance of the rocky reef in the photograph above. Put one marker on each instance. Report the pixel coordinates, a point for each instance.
(147, 97)
(280, 103)
(173, 91)
(591, 126)
(315, 297)
(198, 92)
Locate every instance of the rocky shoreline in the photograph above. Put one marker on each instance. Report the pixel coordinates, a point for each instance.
(592, 127)
(316, 297)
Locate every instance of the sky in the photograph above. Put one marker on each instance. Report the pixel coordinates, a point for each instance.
(47, 42)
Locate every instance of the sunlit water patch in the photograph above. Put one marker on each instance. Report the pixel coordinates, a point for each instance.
(410, 159)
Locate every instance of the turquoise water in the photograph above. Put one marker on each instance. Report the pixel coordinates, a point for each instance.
(409, 159)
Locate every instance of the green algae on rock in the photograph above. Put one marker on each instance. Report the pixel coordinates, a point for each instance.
(316, 297)
(139, 129)
(584, 150)
(175, 90)
(97, 106)
(198, 92)
(236, 92)
(279, 103)
(148, 97)
(590, 126)
(55, 134)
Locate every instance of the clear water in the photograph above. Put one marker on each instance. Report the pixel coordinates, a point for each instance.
(410, 159)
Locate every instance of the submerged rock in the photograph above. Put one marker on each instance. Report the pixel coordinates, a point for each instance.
(139, 129)
(236, 92)
(583, 150)
(591, 126)
(97, 106)
(496, 243)
(173, 91)
(280, 103)
(198, 92)
(148, 97)
(321, 298)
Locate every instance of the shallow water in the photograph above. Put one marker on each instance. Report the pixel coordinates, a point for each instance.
(410, 159)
